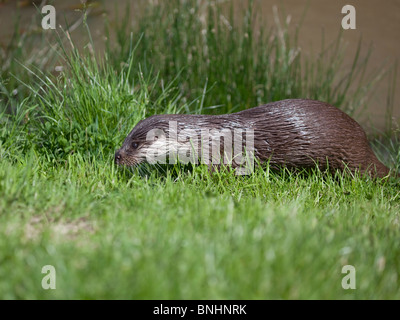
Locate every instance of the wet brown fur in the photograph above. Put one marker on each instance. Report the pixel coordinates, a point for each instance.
(294, 133)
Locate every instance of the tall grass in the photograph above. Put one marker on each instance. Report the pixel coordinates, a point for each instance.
(92, 106)
(189, 234)
(88, 108)
(197, 58)
(238, 64)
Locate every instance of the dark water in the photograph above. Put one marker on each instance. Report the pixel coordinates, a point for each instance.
(378, 22)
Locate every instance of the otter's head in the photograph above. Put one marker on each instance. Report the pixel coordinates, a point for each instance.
(142, 141)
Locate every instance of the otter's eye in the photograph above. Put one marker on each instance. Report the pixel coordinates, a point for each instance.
(135, 145)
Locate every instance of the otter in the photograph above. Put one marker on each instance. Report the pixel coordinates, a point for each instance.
(294, 133)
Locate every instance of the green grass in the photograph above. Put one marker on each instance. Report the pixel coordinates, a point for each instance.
(192, 235)
(182, 234)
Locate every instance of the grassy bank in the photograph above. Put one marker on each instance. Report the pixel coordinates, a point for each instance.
(193, 235)
(183, 234)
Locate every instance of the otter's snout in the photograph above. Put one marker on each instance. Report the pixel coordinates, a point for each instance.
(118, 157)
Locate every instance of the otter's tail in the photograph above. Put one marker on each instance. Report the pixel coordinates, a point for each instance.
(379, 170)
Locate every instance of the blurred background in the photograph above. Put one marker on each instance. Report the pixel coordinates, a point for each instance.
(313, 25)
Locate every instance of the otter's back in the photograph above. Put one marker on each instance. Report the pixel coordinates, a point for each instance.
(300, 133)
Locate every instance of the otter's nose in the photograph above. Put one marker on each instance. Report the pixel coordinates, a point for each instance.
(117, 158)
